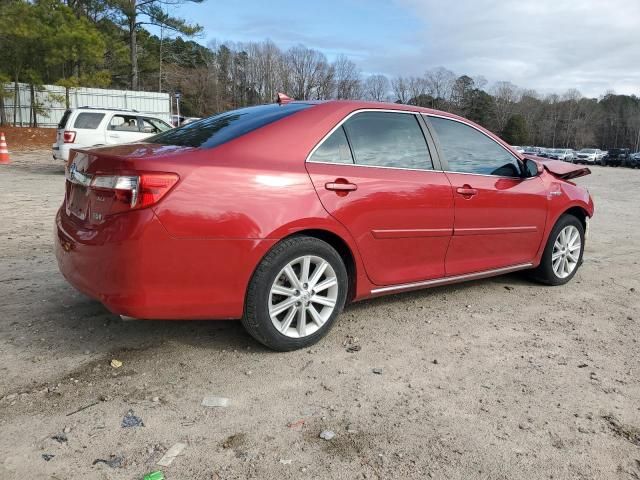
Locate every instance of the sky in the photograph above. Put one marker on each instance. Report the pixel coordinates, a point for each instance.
(546, 45)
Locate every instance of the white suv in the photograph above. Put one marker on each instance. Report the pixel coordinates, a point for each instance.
(90, 127)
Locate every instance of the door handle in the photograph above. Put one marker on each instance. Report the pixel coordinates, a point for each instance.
(466, 191)
(114, 135)
(341, 185)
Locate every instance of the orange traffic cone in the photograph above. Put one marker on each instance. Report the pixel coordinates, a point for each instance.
(4, 151)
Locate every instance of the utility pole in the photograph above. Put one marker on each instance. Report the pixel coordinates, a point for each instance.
(160, 69)
(178, 95)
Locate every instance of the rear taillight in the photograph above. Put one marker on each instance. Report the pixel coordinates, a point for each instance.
(131, 192)
(69, 136)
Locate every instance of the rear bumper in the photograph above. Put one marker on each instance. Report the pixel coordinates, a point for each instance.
(136, 269)
(61, 152)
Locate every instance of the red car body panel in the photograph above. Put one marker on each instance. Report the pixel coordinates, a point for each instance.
(135, 268)
(503, 224)
(387, 218)
(192, 255)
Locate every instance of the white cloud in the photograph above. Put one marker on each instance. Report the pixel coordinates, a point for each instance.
(549, 45)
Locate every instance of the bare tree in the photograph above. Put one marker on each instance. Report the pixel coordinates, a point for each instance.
(263, 72)
(377, 87)
(439, 85)
(306, 67)
(571, 99)
(326, 82)
(417, 87)
(505, 94)
(400, 87)
(347, 79)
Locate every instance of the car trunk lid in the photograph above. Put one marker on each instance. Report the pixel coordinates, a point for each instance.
(102, 182)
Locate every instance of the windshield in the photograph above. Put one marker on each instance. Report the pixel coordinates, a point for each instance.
(587, 150)
(213, 131)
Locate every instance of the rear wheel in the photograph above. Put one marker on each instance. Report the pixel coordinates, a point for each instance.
(563, 253)
(295, 294)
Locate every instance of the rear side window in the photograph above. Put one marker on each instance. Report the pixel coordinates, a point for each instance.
(89, 120)
(387, 139)
(63, 120)
(335, 149)
(468, 150)
(213, 131)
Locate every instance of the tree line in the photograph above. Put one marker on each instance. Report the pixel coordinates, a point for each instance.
(95, 43)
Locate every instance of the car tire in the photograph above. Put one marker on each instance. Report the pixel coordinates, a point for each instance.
(561, 240)
(279, 281)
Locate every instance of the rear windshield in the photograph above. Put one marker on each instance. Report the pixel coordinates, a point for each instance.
(90, 120)
(63, 120)
(213, 131)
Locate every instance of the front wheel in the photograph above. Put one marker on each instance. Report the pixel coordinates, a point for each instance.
(295, 294)
(563, 253)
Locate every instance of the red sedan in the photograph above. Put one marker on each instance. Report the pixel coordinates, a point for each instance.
(280, 214)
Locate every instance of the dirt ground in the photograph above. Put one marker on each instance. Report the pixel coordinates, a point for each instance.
(25, 139)
(494, 379)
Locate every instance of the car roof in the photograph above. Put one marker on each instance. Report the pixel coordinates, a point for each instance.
(364, 105)
(105, 109)
(344, 107)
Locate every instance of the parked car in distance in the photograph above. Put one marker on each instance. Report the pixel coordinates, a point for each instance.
(633, 161)
(531, 150)
(601, 155)
(87, 127)
(588, 156)
(518, 148)
(544, 152)
(615, 157)
(564, 154)
(280, 214)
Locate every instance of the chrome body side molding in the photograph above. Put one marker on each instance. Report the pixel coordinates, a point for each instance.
(448, 280)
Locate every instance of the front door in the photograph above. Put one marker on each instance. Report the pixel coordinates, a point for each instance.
(123, 128)
(375, 175)
(499, 214)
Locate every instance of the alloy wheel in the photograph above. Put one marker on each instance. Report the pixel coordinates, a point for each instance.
(303, 296)
(566, 251)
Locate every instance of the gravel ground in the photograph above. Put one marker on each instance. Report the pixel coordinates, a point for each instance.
(494, 379)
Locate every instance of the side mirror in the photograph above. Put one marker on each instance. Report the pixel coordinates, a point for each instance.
(531, 168)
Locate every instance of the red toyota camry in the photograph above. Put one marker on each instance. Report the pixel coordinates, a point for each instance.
(280, 214)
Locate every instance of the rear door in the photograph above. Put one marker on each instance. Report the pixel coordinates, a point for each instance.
(499, 215)
(86, 126)
(374, 173)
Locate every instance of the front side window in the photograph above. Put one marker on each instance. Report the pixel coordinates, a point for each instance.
(388, 139)
(124, 123)
(153, 125)
(468, 150)
(335, 149)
